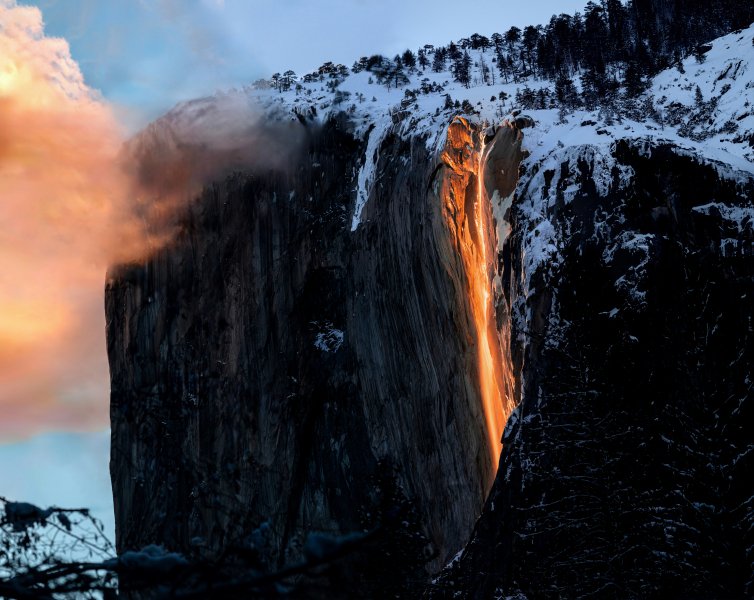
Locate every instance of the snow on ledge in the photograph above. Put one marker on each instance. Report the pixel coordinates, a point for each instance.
(366, 179)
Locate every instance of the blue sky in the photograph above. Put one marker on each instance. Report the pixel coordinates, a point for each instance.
(146, 55)
(60, 469)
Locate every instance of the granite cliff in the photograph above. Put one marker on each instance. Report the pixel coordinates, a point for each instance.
(335, 344)
(271, 368)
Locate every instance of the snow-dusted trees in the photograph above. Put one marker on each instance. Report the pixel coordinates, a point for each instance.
(438, 60)
(284, 82)
(409, 60)
(390, 73)
(595, 38)
(512, 37)
(396, 76)
(529, 42)
(614, 47)
(497, 42)
(487, 75)
(479, 42)
(565, 92)
(454, 50)
(360, 65)
(287, 80)
(462, 68)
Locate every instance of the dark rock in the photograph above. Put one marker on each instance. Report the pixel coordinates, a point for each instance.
(524, 121)
(274, 371)
(624, 469)
(273, 368)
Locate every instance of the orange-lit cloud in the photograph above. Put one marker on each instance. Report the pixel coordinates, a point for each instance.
(62, 209)
(74, 199)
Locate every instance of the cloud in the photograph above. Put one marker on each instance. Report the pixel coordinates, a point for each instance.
(58, 148)
(200, 141)
(74, 200)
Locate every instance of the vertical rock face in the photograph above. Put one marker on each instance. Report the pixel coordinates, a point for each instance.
(626, 469)
(272, 369)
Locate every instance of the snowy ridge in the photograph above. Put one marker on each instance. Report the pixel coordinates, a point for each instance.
(712, 101)
(558, 138)
(717, 130)
(419, 107)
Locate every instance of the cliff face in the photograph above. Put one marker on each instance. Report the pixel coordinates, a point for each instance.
(626, 468)
(273, 371)
(335, 344)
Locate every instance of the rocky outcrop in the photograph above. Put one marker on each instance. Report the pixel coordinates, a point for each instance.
(626, 470)
(274, 373)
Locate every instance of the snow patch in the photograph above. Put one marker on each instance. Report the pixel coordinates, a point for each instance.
(366, 177)
(741, 216)
(329, 339)
(150, 558)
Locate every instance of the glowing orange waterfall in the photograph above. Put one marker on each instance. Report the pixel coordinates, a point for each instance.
(489, 353)
(472, 167)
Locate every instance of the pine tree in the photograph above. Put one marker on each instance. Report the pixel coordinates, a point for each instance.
(595, 38)
(698, 97)
(633, 81)
(438, 62)
(275, 79)
(700, 53)
(617, 23)
(497, 42)
(484, 70)
(287, 80)
(530, 40)
(479, 42)
(453, 52)
(526, 98)
(422, 58)
(592, 88)
(409, 60)
(399, 77)
(565, 92)
(382, 68)
(502, 65)
(512, 37)
(462, 69)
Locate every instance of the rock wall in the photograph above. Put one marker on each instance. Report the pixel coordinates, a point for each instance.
(274, 373)
(626, 470)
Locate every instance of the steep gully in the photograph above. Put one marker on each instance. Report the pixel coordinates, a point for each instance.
(272, 369)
